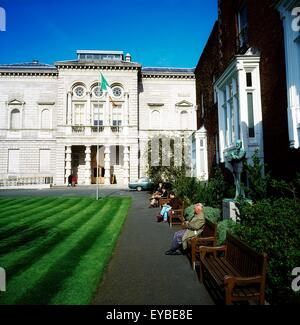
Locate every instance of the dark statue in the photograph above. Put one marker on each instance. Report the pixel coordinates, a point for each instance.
(234, 162)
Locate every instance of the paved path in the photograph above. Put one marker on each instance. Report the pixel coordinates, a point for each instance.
(140, 274)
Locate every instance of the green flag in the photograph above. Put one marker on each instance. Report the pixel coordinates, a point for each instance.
(104, 85)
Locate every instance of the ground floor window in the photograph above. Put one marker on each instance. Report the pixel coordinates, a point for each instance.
(45, 156)
(14, 161)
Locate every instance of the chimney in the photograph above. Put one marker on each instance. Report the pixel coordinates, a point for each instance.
(128, 57)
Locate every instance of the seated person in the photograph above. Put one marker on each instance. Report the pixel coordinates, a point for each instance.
(174, 204)
(192, 229)
(155, 196)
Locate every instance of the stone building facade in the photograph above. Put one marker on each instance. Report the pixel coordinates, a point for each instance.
(54, 119)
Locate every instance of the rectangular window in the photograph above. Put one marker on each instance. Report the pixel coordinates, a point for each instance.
(14, 161)
(79, 114)
(249, 79)
(98, 115)
(45, 162)
(217, 150)
(117, 155)
(202, 105)
(117, 115)
(232, 118)
(250, 116)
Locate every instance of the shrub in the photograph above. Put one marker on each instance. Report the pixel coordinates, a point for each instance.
(225, 226)
(212, 214)
(209, 193)
(272, 226)
(257, 182)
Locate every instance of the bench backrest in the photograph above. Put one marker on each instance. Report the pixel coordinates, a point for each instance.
(210, 229)
(245, 259)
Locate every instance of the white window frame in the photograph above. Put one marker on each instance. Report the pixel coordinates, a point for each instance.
(100, 112)
(185, 113)
(237, 70)
(153, 110)
(117, 115)
(17, 170)
(83, 113)
(15, 109)
(42, 170)
(50, 118)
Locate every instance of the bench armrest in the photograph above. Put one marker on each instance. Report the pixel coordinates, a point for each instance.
(198, 240)
(205, 249)
(232, 280)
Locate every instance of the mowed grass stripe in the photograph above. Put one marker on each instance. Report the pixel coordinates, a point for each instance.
(43, 226)
(21, 288)
(23, 258)
(18, 222)
(15, 214)
(20, 208)
(63, 268)
(29, 218)
(91, 266)
(5, 204)
(43, 220)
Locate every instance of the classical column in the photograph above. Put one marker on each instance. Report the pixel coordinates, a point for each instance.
(107, 165)
(88, 165)
(68, 162)
(126, 165)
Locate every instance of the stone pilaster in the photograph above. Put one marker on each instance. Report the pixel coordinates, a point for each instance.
(126, 165)
(68, 162)
(107, 165)
(88, 165)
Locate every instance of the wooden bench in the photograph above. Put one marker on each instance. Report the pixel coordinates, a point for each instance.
(176, 217)
(163, 201)
(235, 270)
(208, 237)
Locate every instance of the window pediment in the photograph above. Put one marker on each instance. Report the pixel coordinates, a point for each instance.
(184, 104)
(156, 105)
(15, 102)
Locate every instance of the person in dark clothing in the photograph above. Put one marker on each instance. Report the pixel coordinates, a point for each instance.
(70, 180)
(160, 193)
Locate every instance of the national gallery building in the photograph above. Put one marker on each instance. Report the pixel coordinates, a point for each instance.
(53, 118)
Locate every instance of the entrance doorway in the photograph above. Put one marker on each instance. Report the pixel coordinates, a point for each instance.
(101, 170)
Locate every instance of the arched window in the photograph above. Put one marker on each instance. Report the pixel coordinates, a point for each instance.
(184, 120)
(15, 119)
(155, 120)
(46, 119)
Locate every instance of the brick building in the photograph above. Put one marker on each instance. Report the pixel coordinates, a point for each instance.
(241, 84)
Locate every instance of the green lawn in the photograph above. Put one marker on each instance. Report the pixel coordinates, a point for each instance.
(55, 250)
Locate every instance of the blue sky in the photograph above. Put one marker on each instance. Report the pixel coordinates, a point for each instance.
(164, 33)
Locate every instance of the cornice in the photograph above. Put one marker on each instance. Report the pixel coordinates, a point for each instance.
(167, 76)
(77, 65)
(15, 73)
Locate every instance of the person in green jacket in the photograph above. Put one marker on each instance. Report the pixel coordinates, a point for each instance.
(191, 229)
